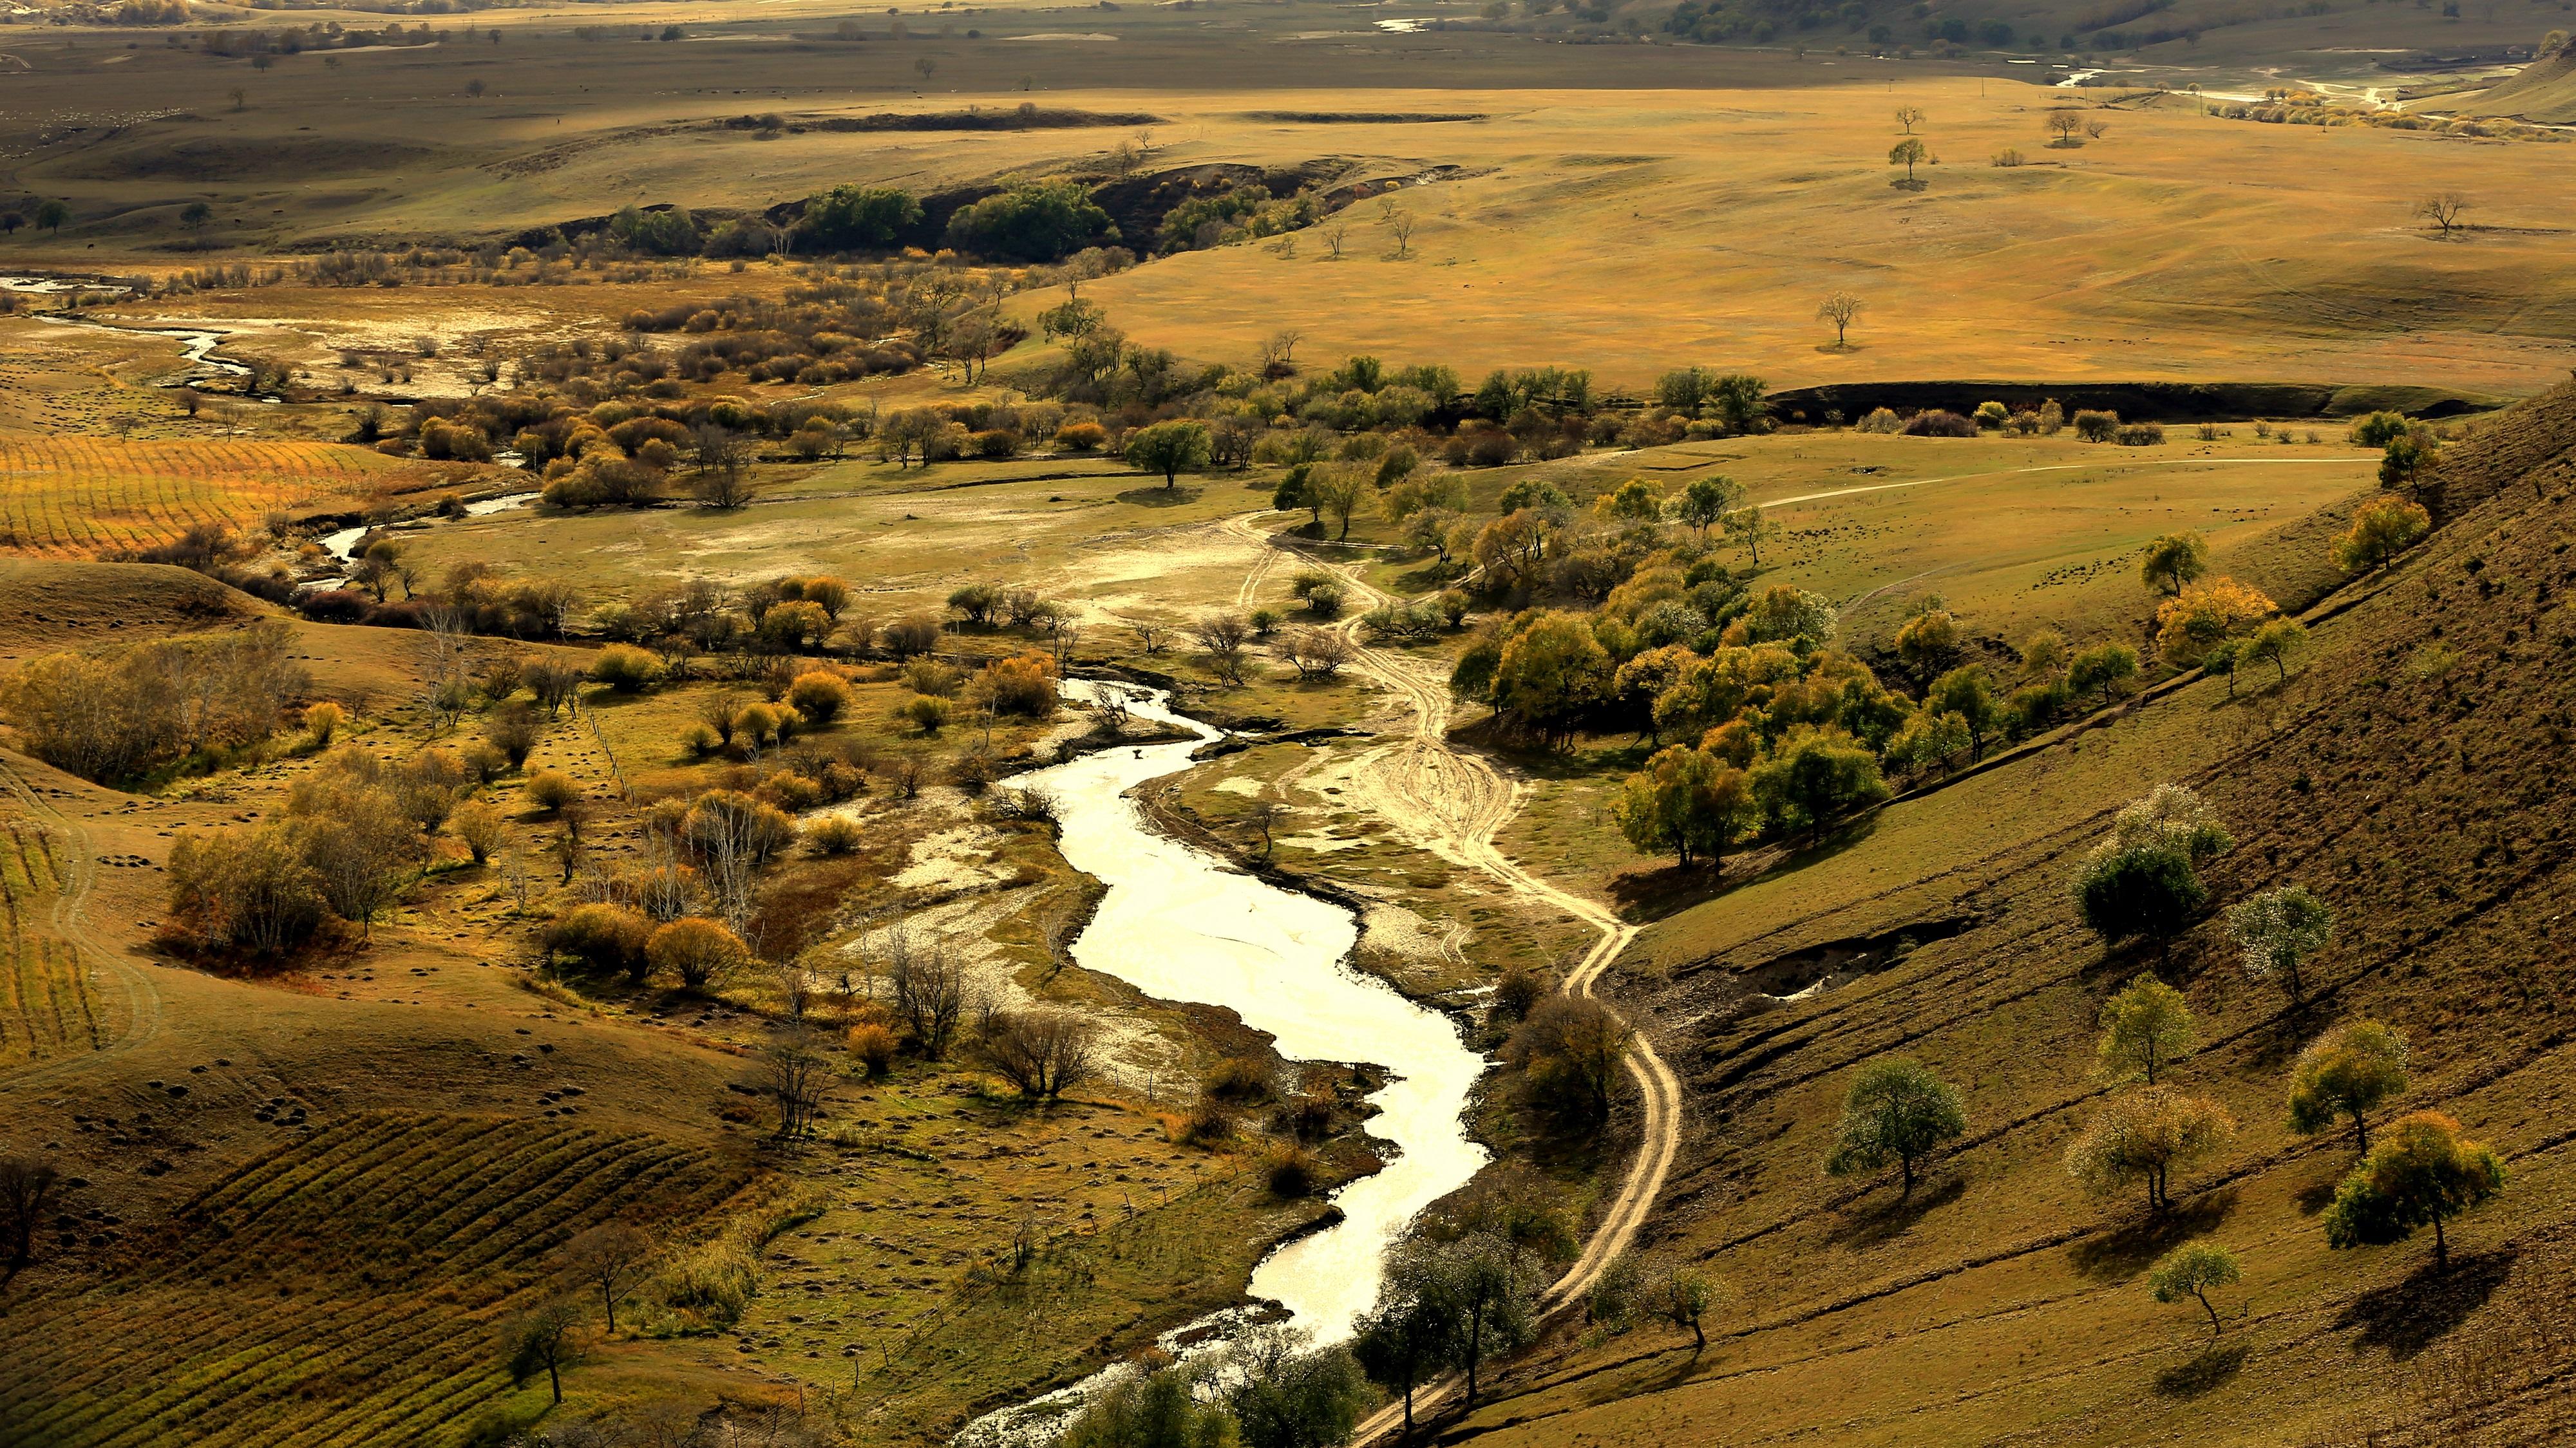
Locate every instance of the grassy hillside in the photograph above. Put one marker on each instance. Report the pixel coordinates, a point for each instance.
(2544, 90)
(2408, 774)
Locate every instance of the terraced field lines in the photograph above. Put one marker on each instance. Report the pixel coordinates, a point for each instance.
(76, 496)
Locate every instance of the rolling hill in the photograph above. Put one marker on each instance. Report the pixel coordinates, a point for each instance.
(2408, 771)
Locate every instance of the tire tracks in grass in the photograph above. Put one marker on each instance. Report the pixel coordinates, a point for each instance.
(69, 918)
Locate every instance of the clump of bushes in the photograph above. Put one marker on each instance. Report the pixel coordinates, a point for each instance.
(602, 937)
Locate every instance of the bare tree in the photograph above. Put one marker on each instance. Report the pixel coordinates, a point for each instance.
(2097, 129)
(2443, 209)
(1265, 816)
(1044, 1053)
(1315, 653)
(546, 1340)
(2064, 125)
(794, 1074)
(1336, 231)
(1222, 636)
(1399, 224)
(610, 1258)
(929, 990)
(1152, 637)
(24, 1185)
(1908, 117)
(724, 467)
(1838, 308)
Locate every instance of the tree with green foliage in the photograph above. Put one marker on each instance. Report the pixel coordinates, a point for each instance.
(195, 216)
(1337, 490)
(2277, 930)
(1171, 448)
(1749, 528)
(2222, 660)
(1815, 778)
(1552, 673)
(1034, 221)
(1896, 1110)
(52, 214)
(1706, 502)
(1404, 1338)
(2144, 882)
(1681, 1294)
(1909, 153)
(2146, 1027)
(1633, 502)
(663, 231)
(1486, 1292)
(2405, 456)
(1686, 801)
(2174, 560)
(2102, 669)
(849, 217)
(1285, 1394)
(1158, 1409)
(2191, 1270)
(1927, 641)
(2351, 1070)
(2381, 529)
(2273, 644)
(2422, 1173)
(1968, 692)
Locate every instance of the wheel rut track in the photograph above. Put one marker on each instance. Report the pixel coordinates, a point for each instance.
(1460, 802)
(69, 918)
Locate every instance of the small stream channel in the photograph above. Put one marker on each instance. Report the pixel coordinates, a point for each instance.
(1183, 925)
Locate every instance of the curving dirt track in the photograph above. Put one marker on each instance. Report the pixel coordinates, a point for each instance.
(1454, 804)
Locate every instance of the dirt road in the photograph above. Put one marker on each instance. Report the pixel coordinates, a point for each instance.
(1454, 804)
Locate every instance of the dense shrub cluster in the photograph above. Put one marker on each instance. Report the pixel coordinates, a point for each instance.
(114, 716)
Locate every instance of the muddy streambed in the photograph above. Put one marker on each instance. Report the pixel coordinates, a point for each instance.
(1183, 925)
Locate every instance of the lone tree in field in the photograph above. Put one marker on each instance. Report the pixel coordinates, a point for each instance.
(2141, 1136)
(2065, 125)
(2278, 930)
(1170, 448)
(1681, 1294)
(52, 214)
(1909, 153)
(2443, 209)
(1898, 1111)
(2174, 560)
(195, 216)
(2144, 881)
(1749, 527)
(1839, 308)
(2381, 530)
(1399, 224)
(1908, 117)
(2190, 1270)
(546, 1340)
(24, 1185)
(610, 1260)
(2146, 1027)
(2421, 1174)
(2273, 644)
(2348, 1071)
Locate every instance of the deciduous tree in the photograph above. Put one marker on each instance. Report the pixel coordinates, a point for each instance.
(2191, 1270)
(2146, 1027)
(2277, 930)
(2140, 1136)
(1896, 1110)
(2422, 1173)
(2351, 1070)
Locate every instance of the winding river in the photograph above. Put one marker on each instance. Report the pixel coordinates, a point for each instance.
(1183, 925)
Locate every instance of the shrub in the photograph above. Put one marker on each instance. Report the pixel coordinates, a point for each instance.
(603, 937)
(1022, 685)
(321, 721)
(1880, 419)
(834, 835)
(2097, 426)
(1206, 1124)
(819, 696)
(926, 712)
(244, 889)
(1081, 436)
(911, 635)
(2139, 434)
(551, 789)
(697, 950)
(1934, 422)
(875, 1047)
(1239, 1078)
(626, 668)
(790, 791)
(478, 827)
(1289, 1170)
(930, 676)
(700, 740)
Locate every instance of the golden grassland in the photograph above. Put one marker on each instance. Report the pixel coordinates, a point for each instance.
(80, 496)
